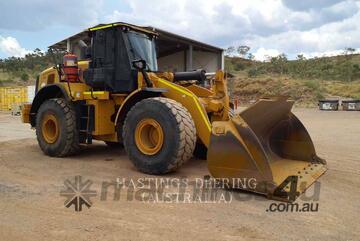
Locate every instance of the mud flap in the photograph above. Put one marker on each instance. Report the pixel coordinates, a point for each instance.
(268, 143)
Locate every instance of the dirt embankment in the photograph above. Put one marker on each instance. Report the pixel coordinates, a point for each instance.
(306, 93)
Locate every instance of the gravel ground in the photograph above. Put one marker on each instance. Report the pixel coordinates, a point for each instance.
(31, 207)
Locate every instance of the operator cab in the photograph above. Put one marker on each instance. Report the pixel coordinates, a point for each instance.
(113, 50)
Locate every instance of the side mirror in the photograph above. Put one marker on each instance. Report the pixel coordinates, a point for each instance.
(139, 64)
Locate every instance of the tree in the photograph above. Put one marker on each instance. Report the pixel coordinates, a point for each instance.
(300, 65)
(349, 51)
(243, 50)
(279, 64)
(300, 57)
(24, 77)
(251, 56)
(230, 51)
(349, 67)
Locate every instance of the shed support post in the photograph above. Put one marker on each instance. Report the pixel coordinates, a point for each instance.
(68, 46)
(222, 61)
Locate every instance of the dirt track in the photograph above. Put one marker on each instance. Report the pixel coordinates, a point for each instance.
(32, 209)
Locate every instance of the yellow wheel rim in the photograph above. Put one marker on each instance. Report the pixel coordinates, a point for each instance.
(149, 136)
(50, 128)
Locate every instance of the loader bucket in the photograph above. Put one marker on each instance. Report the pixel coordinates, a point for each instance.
(266, 143)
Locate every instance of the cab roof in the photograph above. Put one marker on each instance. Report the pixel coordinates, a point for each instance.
(124, 25)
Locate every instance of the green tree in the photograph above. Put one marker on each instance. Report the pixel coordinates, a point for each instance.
(24, 77)
(230, 51)
(348, 52)
(251, 56)
(243, 50)
(278, 64)
(300, 65)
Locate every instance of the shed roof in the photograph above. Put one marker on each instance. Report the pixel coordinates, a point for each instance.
(163, 36)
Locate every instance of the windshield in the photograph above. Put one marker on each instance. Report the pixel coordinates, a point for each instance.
(143, 47)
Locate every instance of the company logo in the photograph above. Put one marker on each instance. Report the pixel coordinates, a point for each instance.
(184, 190)
(78, 193)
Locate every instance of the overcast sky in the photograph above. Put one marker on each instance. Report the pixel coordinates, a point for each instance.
(269, 27)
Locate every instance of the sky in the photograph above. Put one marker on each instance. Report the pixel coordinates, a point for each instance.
(268, 27)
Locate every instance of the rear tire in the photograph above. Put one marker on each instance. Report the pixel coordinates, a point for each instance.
(56, 129)
(174, 129)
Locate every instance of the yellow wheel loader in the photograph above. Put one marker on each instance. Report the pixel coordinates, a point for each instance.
(118, 96)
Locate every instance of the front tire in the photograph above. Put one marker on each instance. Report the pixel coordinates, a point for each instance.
(114, 145)
(159, 135)
(56, 129)
(200, 151)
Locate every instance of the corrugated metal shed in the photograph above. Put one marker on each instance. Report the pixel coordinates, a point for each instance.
(175, 52)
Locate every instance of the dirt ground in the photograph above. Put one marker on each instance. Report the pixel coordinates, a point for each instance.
(31, 207)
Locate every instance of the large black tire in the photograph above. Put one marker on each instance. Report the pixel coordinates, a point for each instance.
(179, 135)
(67, 142)
(200, 151)
(114, 145)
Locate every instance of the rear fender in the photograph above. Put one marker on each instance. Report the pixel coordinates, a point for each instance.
(46, 93)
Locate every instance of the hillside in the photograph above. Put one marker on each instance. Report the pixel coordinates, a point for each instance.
(305, 81)
(23, 71)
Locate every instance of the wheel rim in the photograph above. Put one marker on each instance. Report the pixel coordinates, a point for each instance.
(50, 128)
(149, 136)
